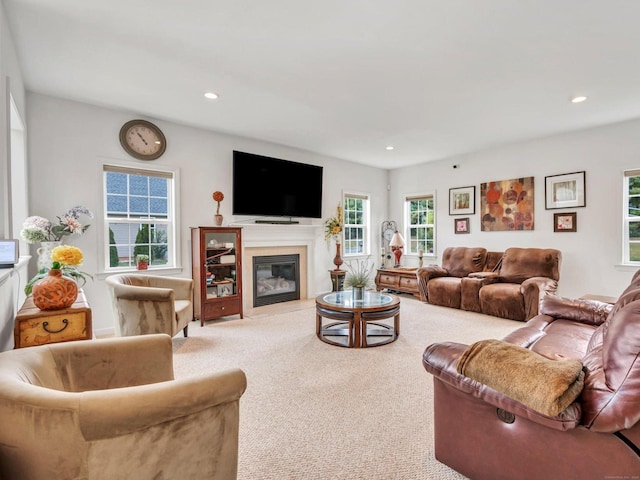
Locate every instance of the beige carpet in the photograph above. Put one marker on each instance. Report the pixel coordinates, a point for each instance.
(316, 411)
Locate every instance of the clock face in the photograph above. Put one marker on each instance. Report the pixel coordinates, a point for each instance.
(388, 234)
(142, 140)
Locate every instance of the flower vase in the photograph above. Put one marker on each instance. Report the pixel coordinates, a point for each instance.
(44, 254)
(142, 265)
(337, 260)
(218, 219)
(358, 294)
(54, 291)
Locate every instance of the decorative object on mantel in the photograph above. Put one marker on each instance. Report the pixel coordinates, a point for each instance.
(358, 277)
(142, 262)
(397, 244)
(333, 230)
(38, 229)
(218, 196)
(58, 287)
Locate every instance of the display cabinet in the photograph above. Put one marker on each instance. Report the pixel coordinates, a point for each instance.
(217, 272)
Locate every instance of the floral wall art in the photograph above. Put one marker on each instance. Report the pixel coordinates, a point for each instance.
(507, 205)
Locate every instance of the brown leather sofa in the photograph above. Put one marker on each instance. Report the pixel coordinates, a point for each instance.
(514, 290)
(442, 285)
(485, 434)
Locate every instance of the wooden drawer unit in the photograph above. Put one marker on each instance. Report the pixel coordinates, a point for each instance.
(221, 308)
(38, 327)
(398, 279)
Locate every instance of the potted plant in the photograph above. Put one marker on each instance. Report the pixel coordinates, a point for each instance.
(142, 261)
(358, 277)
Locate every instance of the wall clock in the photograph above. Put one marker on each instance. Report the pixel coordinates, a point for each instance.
(142, 140)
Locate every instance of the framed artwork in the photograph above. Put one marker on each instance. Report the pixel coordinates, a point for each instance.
(462, 201)
(461, 225)
(565, 191)
(507, 205)
(565, 222)
(224, 289)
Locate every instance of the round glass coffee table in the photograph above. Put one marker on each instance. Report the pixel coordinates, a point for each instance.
(357, 322)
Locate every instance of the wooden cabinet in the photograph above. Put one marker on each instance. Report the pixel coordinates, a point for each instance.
(398, 279)
(216, 261)
(38, 327)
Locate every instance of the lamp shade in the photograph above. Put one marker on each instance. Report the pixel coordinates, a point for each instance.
(397, 240)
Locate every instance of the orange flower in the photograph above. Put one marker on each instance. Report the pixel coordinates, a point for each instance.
(218, 197)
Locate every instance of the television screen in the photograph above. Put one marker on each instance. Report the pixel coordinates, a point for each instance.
(273, 187)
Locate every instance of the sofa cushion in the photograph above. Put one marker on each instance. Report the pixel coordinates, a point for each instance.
(519, 264)
(461, 261)
(445, 291)
(502, 300)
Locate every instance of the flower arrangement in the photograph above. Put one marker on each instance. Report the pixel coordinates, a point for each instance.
(218, 197)
(39, 229)
(333, 226)
(358, 275)
(65, 258)
(142, 258)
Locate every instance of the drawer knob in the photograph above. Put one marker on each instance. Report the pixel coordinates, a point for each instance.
(46, 324)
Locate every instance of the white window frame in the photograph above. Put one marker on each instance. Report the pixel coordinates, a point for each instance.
(173, 227)
(365, 226)
(409, 250)
(627, 219)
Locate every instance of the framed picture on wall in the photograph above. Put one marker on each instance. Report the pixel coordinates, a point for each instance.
(461, 225)
(565, 191)
(565, 222)
(462, 201)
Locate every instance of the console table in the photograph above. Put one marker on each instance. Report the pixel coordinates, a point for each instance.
(401, 279)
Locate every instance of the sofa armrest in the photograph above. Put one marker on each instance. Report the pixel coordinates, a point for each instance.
(111, 413)
(440, 360)
(533, 291)
(424, 274)
(488, 276)
(590, 312)
(113, 362)
(182, 287)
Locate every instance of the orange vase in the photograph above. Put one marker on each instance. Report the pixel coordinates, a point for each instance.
(337, 260)
(54, 291)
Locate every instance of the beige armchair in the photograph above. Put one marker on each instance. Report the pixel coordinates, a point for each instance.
(145, 304)
(110, 409)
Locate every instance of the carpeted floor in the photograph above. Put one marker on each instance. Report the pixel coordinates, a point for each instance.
(316, 411)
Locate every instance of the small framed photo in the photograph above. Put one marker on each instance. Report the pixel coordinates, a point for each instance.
(461, 225)
(565, 222)
(565, 191)
(224, 289)
(462, 201)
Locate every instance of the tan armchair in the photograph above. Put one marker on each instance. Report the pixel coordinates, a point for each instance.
(110, 409)
(145, 304)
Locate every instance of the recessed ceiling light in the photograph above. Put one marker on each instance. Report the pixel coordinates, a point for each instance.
(389, 147)
(211, 95)
(578, 99)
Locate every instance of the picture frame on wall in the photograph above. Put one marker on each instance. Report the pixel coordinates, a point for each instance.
(461, 225)
(565, 191)
(462, 201)
(565, 222)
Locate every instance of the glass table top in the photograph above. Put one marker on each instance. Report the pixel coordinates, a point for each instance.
(345, 299)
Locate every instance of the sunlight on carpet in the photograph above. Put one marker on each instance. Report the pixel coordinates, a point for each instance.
(316, 411)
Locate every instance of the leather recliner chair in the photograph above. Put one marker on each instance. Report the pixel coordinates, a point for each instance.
(484, 434)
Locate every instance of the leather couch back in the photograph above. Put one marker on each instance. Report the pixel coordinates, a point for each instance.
(461, 261)
(519, 264)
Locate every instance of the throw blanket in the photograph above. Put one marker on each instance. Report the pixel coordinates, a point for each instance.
(546, 386)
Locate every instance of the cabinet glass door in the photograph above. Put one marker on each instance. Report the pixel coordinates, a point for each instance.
(220, 264)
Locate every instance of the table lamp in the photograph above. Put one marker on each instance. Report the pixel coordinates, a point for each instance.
(397, 244)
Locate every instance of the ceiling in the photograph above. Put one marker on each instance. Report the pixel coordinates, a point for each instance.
(344, 78)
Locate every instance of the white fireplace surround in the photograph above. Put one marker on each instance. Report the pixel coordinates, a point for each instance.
(267, 239)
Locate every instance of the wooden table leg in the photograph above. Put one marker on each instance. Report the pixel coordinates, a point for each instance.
(357, 327)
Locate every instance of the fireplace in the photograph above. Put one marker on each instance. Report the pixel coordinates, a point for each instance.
(276, 278)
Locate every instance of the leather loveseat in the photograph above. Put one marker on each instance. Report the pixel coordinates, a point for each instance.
(442, 285)
(484, 433)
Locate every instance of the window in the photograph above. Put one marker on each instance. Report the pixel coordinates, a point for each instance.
(356, 221)
(631, 234)
(420, 218)
(139, 217)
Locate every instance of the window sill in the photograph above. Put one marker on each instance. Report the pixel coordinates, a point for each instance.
(150, 271)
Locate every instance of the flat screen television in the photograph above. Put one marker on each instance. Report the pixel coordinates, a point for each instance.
(267, 186)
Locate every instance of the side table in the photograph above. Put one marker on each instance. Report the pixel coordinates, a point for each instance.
(401, 279)
(38, 327)
(337, 280)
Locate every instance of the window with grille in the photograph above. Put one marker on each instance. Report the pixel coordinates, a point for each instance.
(420, 221)
(631, 223)
(356, 220)
(139, 217)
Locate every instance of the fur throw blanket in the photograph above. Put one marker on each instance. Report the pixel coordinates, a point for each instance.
(546, 386)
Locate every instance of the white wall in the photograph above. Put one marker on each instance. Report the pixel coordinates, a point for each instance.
(69, 141)
(592, 255)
